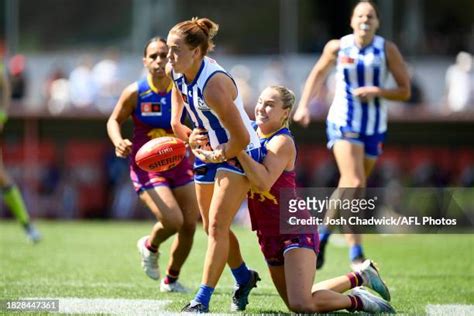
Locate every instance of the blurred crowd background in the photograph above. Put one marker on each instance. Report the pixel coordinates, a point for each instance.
(68, 62)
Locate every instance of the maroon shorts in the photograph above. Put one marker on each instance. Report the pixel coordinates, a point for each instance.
(143, 180)
(274, 247)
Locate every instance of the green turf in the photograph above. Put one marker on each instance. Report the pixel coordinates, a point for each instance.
(99, 259)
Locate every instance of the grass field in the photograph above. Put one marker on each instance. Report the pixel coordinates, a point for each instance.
(99, 260)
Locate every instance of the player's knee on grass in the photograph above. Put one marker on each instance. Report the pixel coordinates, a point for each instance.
(301, 305)
(321, 306)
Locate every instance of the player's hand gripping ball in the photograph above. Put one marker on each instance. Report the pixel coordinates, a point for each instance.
(161, 154)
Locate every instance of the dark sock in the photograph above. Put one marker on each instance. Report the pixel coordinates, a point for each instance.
(356, 303)
(204, 294)
(241, 274)
(356, 252)
(322, 245)
(355, 278)
(150, 247)
(171, 277)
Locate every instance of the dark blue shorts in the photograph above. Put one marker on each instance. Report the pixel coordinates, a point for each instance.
(372, 144)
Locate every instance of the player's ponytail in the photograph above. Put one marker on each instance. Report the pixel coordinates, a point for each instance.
(198, 33)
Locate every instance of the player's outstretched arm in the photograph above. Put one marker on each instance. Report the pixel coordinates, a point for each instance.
(122, 111)
(316, 80)
(399, 71)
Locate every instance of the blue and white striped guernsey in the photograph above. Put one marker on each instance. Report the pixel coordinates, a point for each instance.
(200, 113)
(358, 67)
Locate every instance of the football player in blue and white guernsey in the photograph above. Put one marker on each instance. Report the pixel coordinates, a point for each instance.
(357, 119)
(213, 103)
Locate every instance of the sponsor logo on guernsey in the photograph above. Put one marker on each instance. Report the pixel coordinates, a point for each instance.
(202, 106)
(150, 109)
(346, 60)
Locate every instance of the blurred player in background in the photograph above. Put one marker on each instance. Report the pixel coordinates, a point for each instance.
(291, 257)
(11, 195)
(170, 195)
(214, 103)
(357, 119)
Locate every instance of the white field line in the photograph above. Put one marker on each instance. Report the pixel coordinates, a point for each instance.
(111, 306)
(450, 309)
(125, 285)
(51, 283)
(115, 306)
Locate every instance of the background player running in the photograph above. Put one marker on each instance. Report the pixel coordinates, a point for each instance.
(11, 194)
(357, 119)
(169, 195)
